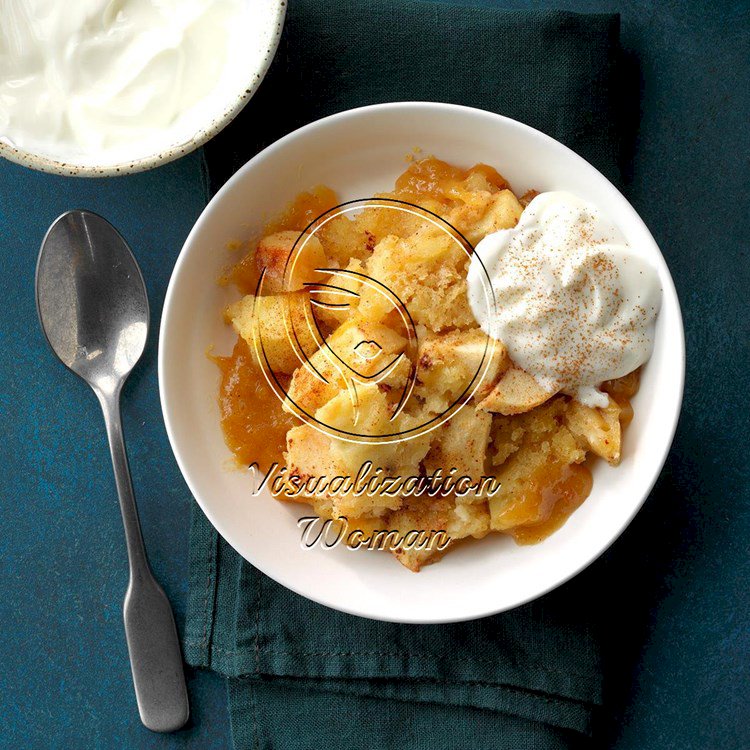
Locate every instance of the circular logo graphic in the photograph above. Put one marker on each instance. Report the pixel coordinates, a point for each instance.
(353, 334)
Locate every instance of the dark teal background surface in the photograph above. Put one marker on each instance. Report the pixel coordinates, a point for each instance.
(678, 669)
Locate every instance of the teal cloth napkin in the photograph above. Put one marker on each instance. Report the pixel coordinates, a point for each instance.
(301, 675)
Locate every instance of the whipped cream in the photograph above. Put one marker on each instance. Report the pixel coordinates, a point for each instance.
(93, 76)
(575, 306)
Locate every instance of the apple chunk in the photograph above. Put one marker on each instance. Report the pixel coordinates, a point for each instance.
(515, 393)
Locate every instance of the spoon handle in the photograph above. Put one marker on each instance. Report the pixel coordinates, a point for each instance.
(153, 645)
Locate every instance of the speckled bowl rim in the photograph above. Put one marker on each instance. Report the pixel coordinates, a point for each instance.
(52, 166)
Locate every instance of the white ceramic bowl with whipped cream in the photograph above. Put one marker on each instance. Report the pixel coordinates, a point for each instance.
(106, 87)
(359, 153)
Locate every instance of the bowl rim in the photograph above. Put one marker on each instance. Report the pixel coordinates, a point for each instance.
(320, 597)
(50, 165)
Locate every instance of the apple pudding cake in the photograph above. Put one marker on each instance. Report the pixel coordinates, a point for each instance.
(436, 392)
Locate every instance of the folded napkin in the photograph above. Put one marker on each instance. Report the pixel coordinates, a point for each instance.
(304, 676)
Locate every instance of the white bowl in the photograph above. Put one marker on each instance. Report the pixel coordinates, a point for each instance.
(358, 153)
(244, 71)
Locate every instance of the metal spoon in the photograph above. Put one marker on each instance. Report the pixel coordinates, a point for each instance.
(94, 312)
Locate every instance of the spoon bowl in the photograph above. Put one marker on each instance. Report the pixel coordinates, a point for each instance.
(92, 299)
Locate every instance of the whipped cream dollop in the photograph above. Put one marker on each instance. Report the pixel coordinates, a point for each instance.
(574, 304)
(93, 76)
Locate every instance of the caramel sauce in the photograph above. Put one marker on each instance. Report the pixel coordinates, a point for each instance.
(551, 495)
(555, 490)
(527, 197)
(243, 275)
(253, 422)
(624, 388)
(298, 215)
(303, 210)
(434, 178)
(621, 391)
(252, 419)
